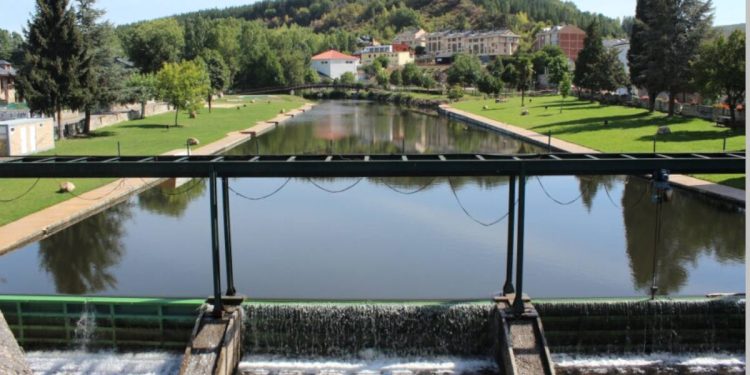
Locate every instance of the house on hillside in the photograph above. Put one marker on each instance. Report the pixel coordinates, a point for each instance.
(397, 54)
(7, 83)
(568, 37)
(412, 37)
(333, 64)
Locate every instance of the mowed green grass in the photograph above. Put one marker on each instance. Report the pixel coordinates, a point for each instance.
(628, 129)
(141, 137)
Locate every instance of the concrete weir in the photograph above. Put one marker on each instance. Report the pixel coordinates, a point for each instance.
(215, 346)
(12, 360)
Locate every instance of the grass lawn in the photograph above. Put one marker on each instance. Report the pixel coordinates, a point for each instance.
(141, 137)
(628, 129)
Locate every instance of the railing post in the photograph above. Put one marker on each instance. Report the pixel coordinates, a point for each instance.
(518, 307)
(228, 236)
(218, 308)
(508, 287)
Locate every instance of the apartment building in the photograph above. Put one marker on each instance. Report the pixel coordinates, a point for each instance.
(398, 54)
(568, 37)
(412, 37)
(444, 44)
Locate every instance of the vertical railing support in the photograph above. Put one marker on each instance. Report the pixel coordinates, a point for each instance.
(227, 236)
(508, 287)
(518, 307)
(218, 308)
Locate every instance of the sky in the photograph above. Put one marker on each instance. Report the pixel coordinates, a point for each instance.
(14, 17)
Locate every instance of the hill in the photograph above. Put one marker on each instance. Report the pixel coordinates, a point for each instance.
(727, 29)
(384, 18)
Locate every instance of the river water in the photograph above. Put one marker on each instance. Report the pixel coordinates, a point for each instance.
(399, 238)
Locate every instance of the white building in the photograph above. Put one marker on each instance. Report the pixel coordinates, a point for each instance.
(333, 64)
(412, 37)
(443, 45)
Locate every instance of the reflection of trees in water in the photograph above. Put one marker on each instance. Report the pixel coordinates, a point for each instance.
(171, 202)
(691, 227)
(590, 186)
(79, 258)
(381, 130)
(413, 183)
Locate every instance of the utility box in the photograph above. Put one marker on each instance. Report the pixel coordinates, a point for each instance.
(26, 136)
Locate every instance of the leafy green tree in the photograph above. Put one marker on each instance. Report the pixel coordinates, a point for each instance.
(720, 69)
(466, 70)
(140, 88)
(381, 62)
(103, 83)
(557, 68)
(455, 92)
(611, 72)
(382, 77)
(11, 44)
(689, 22)
(51, 77)
(197, 36)
(395, 78)
(411, 74)
(490, 84)
(404, 17)
(564, 87)
(183, 85)
(152, 44)
(218, 73)
(522, 74)
(347, 78)
(312, 76)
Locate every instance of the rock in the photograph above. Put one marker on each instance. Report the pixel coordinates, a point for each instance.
(244, 105)
(193, 114)
(238, 108)
(525, 112)
(282, 110)
(67, 187)
(193, 141)
(664, 130)
(252, 101)
(485, 108)
(269, 102)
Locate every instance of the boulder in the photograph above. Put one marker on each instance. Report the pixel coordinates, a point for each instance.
(252, 101)
(664, 130)
(485, 107)
(192, 141)
(193, 114)
(525, 112)
(282, 110)
(67, 187)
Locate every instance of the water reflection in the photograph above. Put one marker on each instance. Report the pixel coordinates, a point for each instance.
(591, 185)
(691, 228)
(80, 259)
(367, 128)
(170, 201)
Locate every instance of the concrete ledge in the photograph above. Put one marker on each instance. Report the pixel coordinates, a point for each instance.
(12, 360)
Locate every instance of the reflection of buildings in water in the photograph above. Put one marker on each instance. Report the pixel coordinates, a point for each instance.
(690, 229)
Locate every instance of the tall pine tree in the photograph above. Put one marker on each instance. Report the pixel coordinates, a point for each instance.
(52, 73)
(589, 60)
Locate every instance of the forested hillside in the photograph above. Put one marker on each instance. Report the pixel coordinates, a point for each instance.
(384, 18)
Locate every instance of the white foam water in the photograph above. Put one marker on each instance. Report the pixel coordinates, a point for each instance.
(103, 363)
(691, 362)
(368, 363)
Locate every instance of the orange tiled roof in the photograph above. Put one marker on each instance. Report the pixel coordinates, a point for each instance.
(333, 55)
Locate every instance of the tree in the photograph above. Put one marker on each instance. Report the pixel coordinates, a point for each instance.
(218, 74)
(152, 44)
(395, 78)
(183, 85)
(381, 76)
(558, 67)
(522, 74)
(564, 87)
(688, 23)
(104, 78)
(490, 85)
(11, 44)
(720, 69)
(589, 60)
(455, 92)
(348, 78)
(646, 53)
(412, 75)
(51, 76)
(312, 76)
(140, 88)
(466, 70)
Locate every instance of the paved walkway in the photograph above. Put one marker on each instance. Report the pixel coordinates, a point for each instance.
(692, 183)
(52, 219)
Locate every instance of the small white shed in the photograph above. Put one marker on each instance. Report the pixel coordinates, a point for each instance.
(26, 136)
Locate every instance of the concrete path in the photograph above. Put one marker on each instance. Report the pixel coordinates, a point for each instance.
(687, 182)
(50, 220)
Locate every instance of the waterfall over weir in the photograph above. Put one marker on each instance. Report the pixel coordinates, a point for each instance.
(390, 329)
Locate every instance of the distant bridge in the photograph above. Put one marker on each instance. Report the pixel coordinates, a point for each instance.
(307, 86)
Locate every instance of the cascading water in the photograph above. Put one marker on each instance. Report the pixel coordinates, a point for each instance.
(85, 327)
